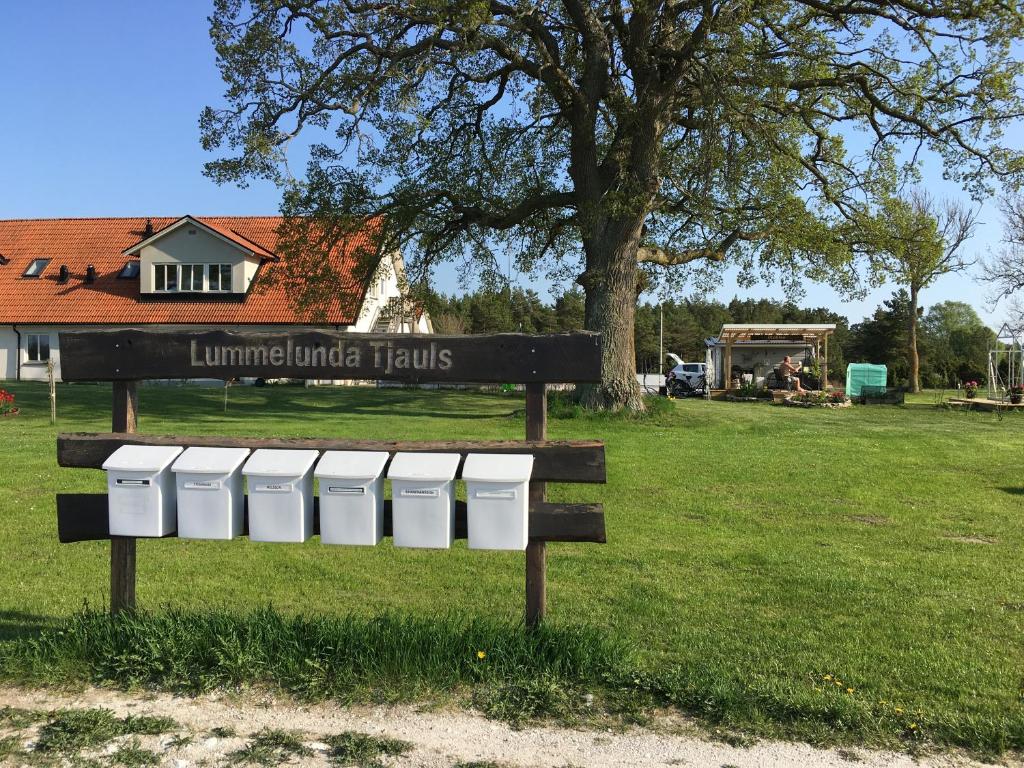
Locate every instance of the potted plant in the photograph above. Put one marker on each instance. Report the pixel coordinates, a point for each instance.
(1016, 393)
(7, 403)
(970, 389)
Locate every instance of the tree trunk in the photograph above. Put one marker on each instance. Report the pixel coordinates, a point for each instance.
(610, 285)
(912, 356)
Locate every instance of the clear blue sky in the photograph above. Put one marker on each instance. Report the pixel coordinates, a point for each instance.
(100, 110)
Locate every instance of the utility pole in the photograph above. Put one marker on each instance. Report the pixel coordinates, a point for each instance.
(661, 339)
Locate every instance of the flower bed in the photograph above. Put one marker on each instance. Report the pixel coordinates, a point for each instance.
(818, 400)
(7, 407)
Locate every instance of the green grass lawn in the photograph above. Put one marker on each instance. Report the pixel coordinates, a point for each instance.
(757, 549)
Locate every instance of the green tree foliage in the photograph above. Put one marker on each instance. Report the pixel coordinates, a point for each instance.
(955, 345)
(882, 338)
(498, 311)
(954, 342)
(602, 138)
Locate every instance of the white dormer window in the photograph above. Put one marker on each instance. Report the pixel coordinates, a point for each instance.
(192, 277)
(383, 286)
(165, 277)
(219, 277)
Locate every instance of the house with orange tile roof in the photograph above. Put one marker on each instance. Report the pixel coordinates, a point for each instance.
(209, 272)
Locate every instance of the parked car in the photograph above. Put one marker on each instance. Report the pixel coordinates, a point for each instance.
(686, 378)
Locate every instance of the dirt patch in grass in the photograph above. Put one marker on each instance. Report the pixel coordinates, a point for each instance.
(870, 519)
(971, 539)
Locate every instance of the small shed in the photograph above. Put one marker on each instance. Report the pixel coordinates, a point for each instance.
(758, 348)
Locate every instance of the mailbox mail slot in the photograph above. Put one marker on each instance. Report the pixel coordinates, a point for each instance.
(140, 490)
(280, 494)
(211, 500)
(351, 497)
(497, 514)
(423, 499)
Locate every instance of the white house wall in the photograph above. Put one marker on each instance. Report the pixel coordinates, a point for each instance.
(8, 353)
(380, 291)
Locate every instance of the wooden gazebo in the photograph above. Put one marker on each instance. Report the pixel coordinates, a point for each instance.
(776, 334)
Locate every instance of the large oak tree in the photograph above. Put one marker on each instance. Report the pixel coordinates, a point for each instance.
(611, 138)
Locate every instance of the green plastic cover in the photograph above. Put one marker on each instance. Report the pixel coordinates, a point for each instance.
(859, 375)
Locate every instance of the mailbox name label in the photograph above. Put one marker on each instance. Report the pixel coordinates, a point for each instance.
(387, 356)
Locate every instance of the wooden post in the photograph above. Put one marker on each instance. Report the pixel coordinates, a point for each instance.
(536, 552)
(124, 418)
(824, 367)
(53, 390)
(728, 366)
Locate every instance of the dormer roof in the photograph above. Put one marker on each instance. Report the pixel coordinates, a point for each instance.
(227, 234)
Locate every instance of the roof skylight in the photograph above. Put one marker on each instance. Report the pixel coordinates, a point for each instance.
(35, 268)
(129, 270)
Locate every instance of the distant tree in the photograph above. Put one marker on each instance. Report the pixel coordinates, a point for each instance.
(1004, 271)
(611, 137)
(570, 311)
(882, 338)
(956, 344)
(917, 241)
(449, 323)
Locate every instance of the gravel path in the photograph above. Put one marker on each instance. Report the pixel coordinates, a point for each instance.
(443, 739)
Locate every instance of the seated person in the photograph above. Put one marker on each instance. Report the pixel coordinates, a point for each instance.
(790, 375)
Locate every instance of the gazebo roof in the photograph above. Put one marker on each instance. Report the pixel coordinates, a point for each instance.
(739, 332)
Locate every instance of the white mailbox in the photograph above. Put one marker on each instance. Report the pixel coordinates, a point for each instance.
(498, 505)
(140, 490)
(351, 497)
(423, 499)
(211, 500)
(280, 494)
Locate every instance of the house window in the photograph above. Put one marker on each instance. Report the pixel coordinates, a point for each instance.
(220, 277)
(383, 286)
(38, 347)
(165, 277)
(35, 268)
(192, 277)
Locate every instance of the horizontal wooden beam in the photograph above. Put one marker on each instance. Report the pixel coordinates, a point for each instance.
(134, 354)
(84, 517)
(576, 461)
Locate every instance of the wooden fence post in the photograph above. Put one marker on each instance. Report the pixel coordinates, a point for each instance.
(536, 552)
(124, 418)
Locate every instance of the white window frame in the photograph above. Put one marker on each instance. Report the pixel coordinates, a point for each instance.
(32, 343)
(221, 270)
(191, 270)
(167, 268)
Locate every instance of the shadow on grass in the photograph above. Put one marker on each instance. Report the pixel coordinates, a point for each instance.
(1013, 490)
(15, 625)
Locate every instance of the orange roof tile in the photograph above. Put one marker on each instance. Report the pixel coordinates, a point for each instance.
(111, 300)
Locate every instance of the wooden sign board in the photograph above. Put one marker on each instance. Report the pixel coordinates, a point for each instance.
(133, 355)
